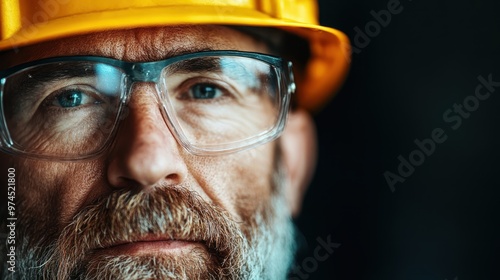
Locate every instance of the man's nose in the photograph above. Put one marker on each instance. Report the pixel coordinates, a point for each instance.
(145, 153)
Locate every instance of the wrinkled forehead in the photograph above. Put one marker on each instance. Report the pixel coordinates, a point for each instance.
(142, 44)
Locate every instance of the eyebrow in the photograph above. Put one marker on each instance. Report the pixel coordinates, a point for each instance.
(201, 64)
(57, 71)
(53, 73)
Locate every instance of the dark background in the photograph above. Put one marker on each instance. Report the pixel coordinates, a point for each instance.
(442, 222)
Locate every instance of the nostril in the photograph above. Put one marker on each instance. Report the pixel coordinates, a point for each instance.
(173, 178)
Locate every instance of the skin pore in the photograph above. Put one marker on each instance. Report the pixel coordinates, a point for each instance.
(255, 191)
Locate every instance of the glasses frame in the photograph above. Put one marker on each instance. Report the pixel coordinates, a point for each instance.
(151, 72)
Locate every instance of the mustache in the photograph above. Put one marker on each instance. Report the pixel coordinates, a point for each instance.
(127, 216)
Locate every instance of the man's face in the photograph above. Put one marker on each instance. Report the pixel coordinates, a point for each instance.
(146, 208)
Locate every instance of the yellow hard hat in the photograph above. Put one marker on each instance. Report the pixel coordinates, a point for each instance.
(24, 22)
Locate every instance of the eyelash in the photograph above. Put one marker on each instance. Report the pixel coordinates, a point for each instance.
(85, 89)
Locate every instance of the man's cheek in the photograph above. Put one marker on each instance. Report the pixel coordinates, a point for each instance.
(50, 191)
(239, 181)
(36, 193)
(74, 186)
(252, 178)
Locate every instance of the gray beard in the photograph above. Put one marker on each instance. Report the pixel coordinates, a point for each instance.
(264, 251)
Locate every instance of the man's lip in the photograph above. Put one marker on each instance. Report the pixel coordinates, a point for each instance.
(149, 246)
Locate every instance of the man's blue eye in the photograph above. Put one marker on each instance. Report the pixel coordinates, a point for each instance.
(71, 98)
(205, 91)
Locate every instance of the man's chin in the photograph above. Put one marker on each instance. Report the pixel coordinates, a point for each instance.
(194, 265)
(158, 259)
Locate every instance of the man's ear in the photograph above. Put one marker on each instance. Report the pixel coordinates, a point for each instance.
(298, 144)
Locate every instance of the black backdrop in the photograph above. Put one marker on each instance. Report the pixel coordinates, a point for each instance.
(442, 221)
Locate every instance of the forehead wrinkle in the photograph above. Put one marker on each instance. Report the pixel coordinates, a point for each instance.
(151, 44)
(157, 44)
(145, 44)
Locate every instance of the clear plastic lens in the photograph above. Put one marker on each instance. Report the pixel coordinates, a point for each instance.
(213, 103)
(62, 109)
(221, 101)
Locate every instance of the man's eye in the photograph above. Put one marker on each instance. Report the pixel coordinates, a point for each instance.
(205, 91)
(71, 98)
